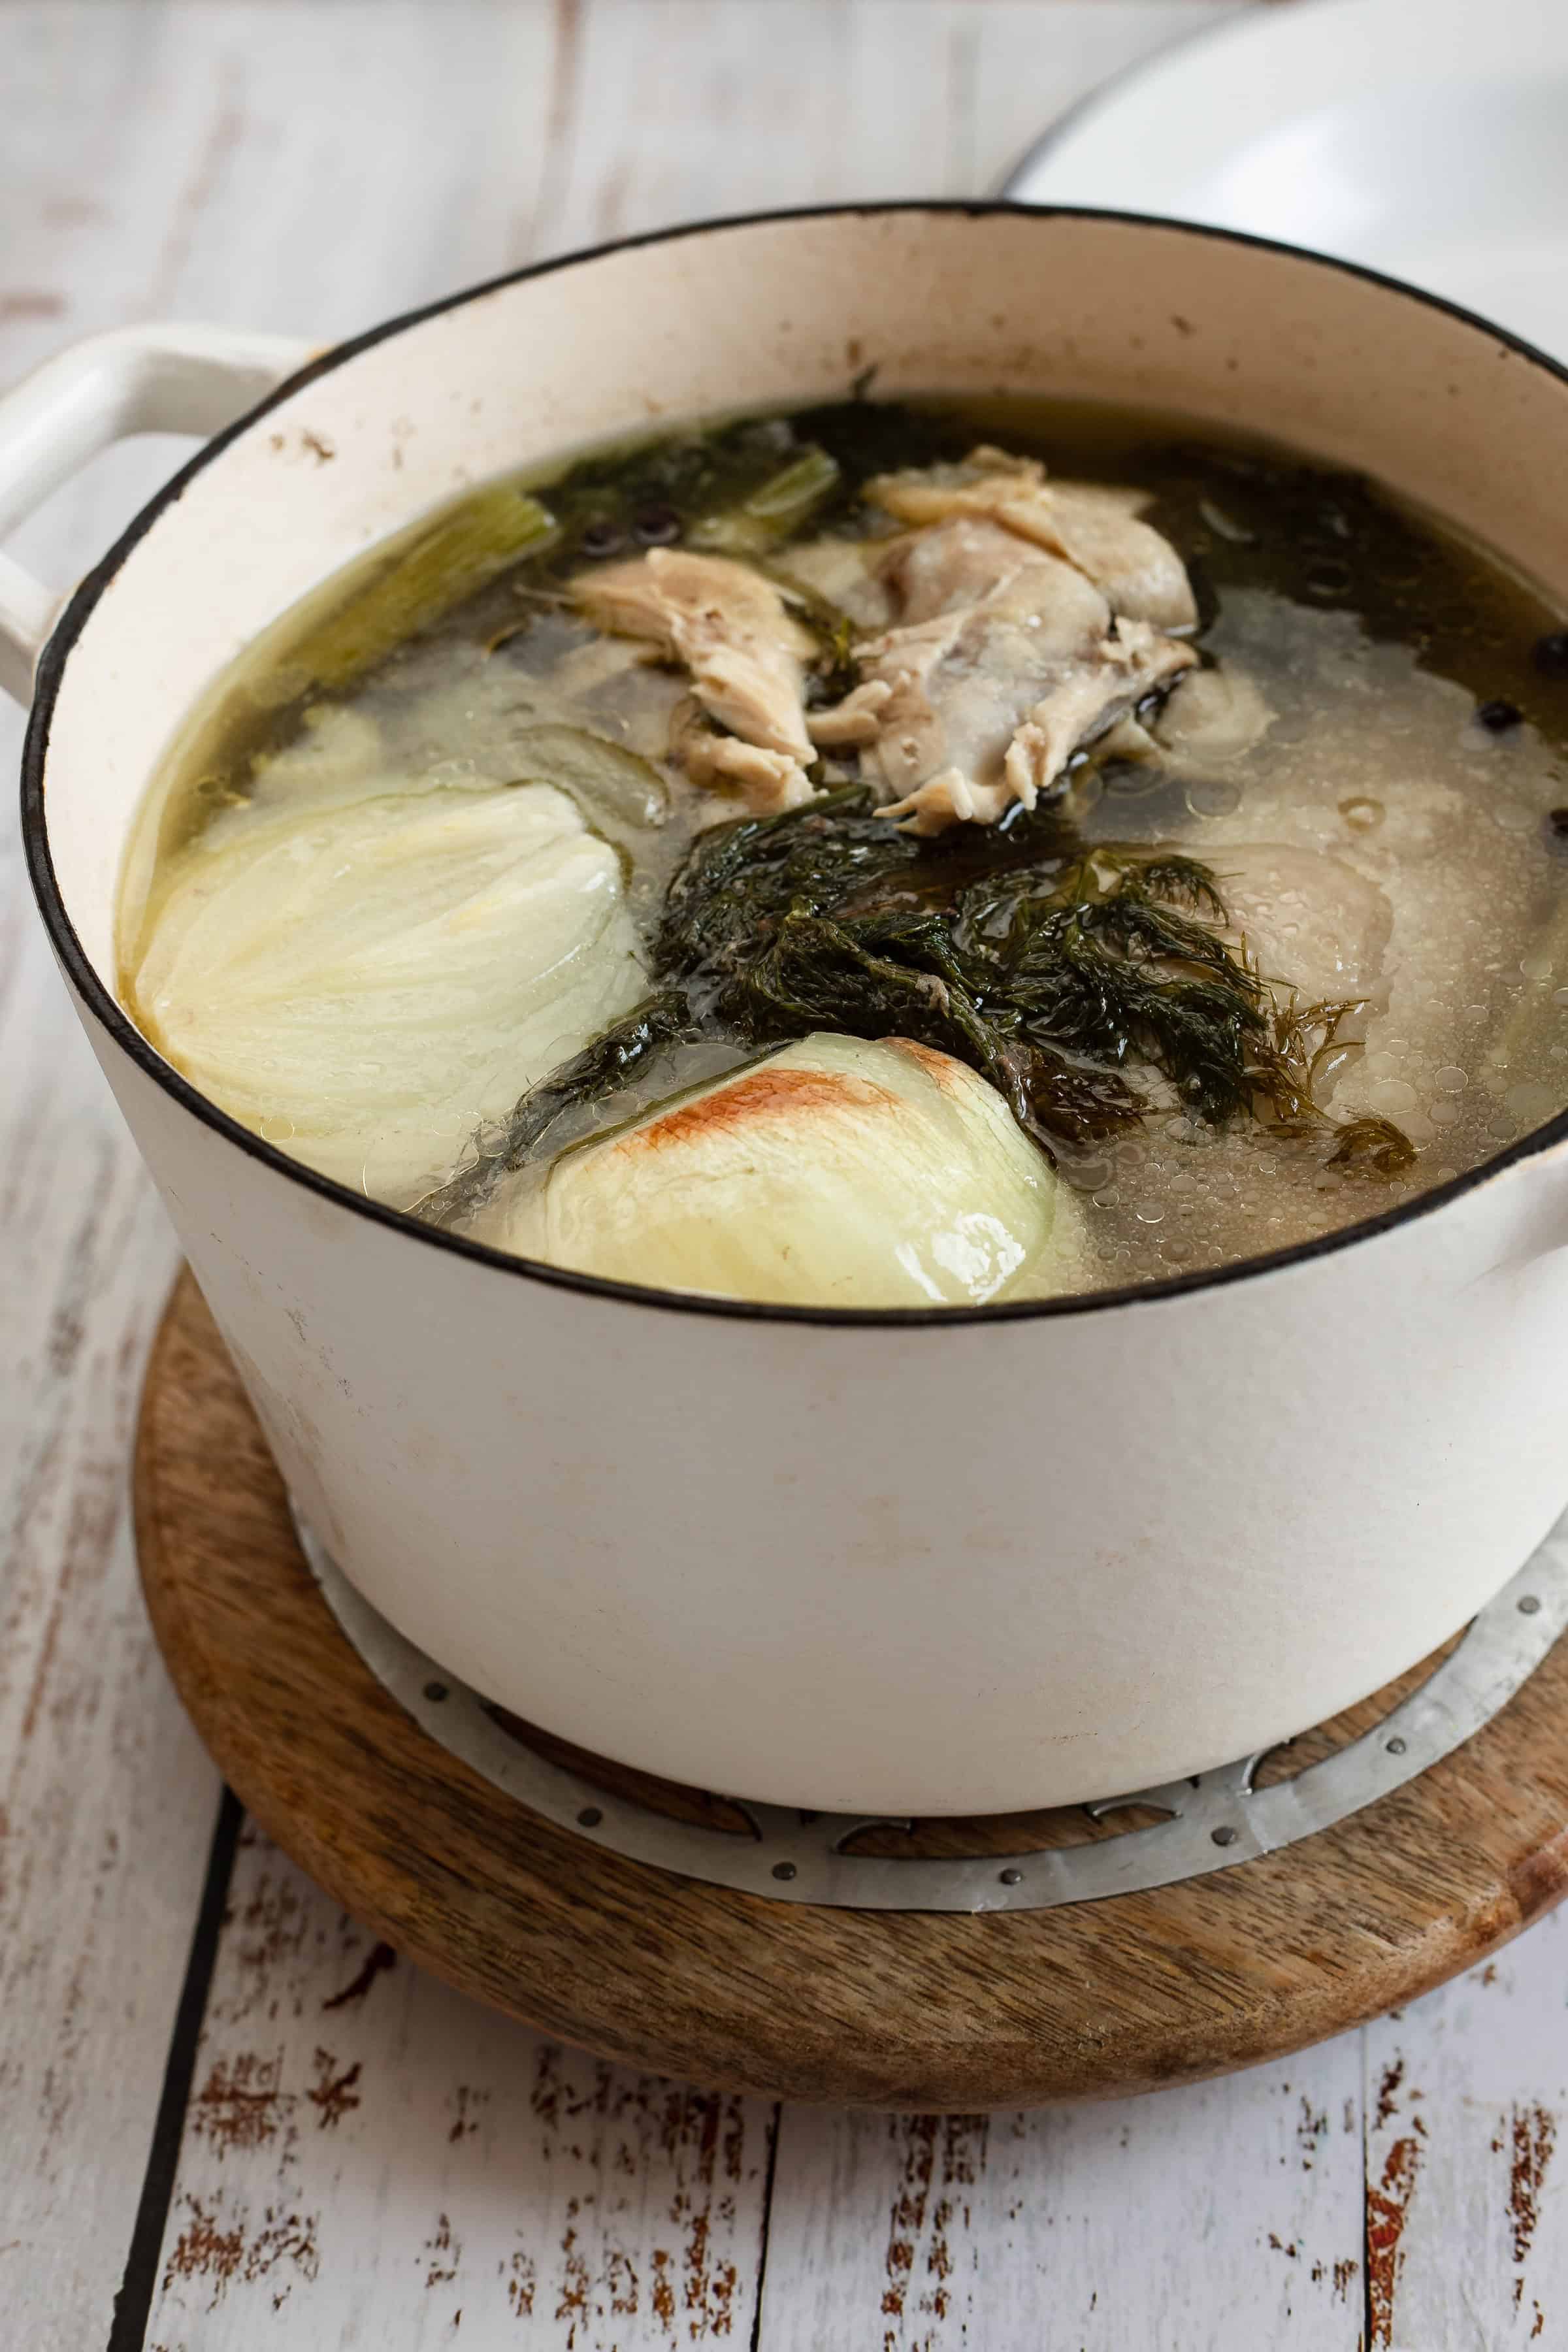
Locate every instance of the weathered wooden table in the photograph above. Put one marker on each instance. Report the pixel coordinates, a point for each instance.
(226, 2119)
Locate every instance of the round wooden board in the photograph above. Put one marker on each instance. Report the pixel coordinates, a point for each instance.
(875, 2009)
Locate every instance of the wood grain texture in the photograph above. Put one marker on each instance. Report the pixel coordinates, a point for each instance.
(681, 108)
(903, 2009)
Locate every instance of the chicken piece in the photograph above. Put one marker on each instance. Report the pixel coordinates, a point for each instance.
(729, 627)
(770, 781)
(949, 567)
(858, 720)
(1092, 527)
(1138, 568)
(1129, 739)
(987, 623)
(1211, 718)
(845, 572)
(1131, 662)
(1006, 661)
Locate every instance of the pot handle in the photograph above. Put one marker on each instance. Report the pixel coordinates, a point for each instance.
(135, 379)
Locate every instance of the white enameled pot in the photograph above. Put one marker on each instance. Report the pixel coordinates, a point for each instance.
(913, 1562)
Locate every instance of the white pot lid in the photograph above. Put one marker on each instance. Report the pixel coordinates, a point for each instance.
(1424, 138)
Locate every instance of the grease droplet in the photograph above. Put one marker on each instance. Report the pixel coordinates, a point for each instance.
(1213, 797)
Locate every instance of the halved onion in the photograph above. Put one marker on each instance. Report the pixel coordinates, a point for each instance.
(366, 984)
(838, 1173)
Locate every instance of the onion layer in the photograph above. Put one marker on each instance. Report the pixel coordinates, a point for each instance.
(366, 985)
(837, 1172)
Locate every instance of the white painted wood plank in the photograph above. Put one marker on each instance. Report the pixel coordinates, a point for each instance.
(106, 1801)
(1467, 2096)
(300, 167)
(295, 167)
(1221, 2219)
(685, 109)
(371, 2160)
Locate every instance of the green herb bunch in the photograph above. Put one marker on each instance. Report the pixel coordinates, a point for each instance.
(1075, 978)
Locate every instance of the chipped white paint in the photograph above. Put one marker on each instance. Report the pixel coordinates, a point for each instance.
(366, 2156)
(1226, 2216)
(157, 162)
(1467, 2099)
(371, 2159)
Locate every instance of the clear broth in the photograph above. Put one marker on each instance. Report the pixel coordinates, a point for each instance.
(1374, 635)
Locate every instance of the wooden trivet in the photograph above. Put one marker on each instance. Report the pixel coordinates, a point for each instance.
(922, 2010)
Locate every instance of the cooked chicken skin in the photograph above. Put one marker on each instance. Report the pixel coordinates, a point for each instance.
(1130, 661)
(730, 628)
(1006, 661)
(1028, 619)
(1092, 528)
(770, 781)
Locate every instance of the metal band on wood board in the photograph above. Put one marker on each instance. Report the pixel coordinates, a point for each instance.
(1216, 1820)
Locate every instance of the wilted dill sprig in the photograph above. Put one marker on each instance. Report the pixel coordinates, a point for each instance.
(1054, 970)
(1062, 972)
(1115, 958)
(1123, 952)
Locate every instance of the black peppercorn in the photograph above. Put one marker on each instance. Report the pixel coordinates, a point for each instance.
(1557, 827)
(1551, 655)
(656, 526)
(1498, 717)
(601, 537)
(1329, 578)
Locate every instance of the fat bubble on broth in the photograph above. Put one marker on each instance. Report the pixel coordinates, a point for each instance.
(881, 857)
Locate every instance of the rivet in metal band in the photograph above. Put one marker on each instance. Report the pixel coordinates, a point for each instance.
(790, 1854)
